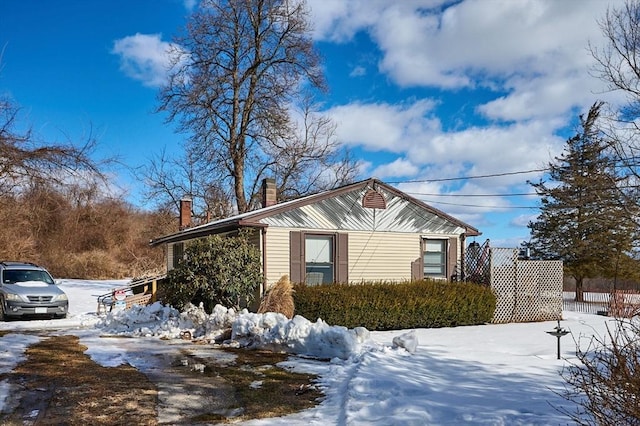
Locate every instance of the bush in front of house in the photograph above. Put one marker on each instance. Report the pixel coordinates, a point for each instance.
(279, 298)
(215, 270)
(393, 306)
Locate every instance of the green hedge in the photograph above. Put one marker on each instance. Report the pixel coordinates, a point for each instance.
(394, 306)
(215, 270)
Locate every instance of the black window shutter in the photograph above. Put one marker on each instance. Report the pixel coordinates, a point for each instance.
(452, 257)
(296, 257)
(342, 258)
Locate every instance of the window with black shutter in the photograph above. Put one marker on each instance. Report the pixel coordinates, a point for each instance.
(318, 258)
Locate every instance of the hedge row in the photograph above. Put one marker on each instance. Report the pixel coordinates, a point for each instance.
(393, 306)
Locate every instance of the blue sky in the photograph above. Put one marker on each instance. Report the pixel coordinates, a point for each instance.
(423, 91)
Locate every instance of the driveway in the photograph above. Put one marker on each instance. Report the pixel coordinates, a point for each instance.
(79, 377)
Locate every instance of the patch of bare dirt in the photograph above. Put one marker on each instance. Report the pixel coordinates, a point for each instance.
(58, 384)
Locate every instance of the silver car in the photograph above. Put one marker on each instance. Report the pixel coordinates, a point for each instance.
(28, 290)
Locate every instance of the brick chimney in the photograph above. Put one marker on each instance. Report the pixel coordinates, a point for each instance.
(269, 197)
(185, 213)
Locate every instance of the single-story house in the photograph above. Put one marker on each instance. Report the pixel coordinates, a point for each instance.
(364, 231)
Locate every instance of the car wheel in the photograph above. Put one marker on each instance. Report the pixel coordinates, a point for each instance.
(1, 310)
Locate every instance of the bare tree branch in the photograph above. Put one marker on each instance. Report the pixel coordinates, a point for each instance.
(241, 67)
(23, 160)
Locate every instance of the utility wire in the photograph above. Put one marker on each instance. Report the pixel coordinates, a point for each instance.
(482, 206)
(480, 195)
(522, 194)
(472, 177)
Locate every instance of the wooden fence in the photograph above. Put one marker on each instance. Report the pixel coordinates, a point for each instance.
(141, 292)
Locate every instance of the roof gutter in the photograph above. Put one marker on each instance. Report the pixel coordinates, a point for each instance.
(189, 234)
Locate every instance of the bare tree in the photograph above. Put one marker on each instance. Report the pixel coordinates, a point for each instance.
(308, 159)
(618, 64)
(24, 161)
(604, 384)
(240, 69)
(168, 180)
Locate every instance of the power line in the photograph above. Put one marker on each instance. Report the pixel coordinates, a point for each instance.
(482, 206)
(472, 177)
(522, 194)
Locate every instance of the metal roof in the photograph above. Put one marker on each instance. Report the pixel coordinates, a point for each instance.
(345, 212)
(340, 209)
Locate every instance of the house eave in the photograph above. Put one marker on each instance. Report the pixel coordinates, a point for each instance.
(204, 231)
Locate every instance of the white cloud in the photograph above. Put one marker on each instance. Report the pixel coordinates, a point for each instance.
(339, 20)
(190, 4)
(411, 130)
(398, 168)
(144, 57)
(523, 220)
(492, 149)
(382, 126)
(523, 66)
(534, 50)
(358, 71)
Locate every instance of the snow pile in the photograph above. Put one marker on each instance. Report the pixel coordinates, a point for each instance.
(270, 330)
(32, 284)
(299, 335)
(408, 341)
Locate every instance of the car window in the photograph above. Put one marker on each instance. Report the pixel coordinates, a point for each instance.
(19, 276)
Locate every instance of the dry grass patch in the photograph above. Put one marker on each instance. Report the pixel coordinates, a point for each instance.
(279, 298)
(66, 387)
(263, 389)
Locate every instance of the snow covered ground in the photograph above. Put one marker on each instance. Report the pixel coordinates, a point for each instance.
(480, 375)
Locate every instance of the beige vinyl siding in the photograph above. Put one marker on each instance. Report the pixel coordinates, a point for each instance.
(372, 255)
(169, 257)
(277, 254)
(382, 255)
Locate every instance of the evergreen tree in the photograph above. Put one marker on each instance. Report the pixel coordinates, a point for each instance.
(586, 220)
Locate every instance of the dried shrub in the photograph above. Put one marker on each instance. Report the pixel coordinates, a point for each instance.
(605, 382)
(94, 264)
(624, 304)
(78, 234)
(16, 239)
(279, 298)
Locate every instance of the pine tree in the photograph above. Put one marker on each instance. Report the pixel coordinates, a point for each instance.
(585, 218)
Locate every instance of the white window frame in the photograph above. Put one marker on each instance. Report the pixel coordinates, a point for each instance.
(442, 263)
(327, 257)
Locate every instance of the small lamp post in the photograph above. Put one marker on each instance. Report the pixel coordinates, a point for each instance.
(558, 332)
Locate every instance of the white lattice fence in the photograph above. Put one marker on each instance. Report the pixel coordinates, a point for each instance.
(526, 290)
